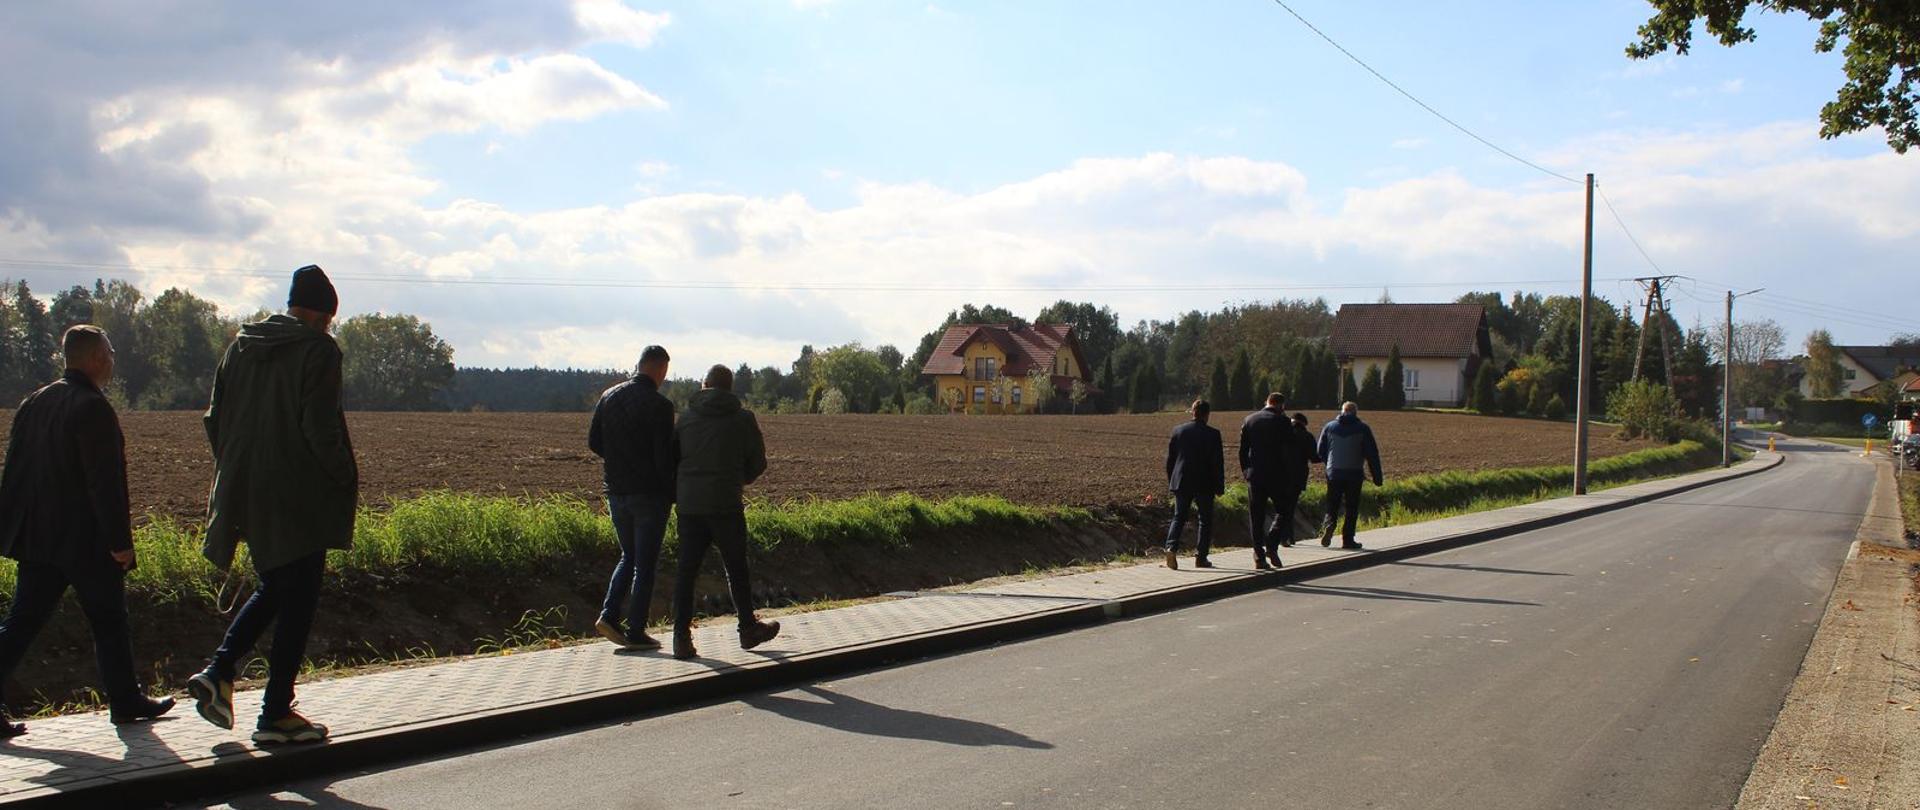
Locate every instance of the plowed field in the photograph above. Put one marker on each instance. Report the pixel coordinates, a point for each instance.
(1049, 460)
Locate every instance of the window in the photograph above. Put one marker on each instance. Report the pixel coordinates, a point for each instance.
(1016, 395)
(1412, 381)
(995, 392)
(983, 368)
(979, 394)
(1847, 374)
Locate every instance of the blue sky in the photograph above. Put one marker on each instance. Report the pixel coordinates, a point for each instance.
(1018, 146)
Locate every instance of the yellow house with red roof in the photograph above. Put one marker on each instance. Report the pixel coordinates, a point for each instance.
(987, 368)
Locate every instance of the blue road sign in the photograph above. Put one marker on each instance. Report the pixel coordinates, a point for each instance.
(1869, 420)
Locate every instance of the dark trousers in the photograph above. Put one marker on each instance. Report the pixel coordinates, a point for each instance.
(103, 598)
(640, 522)
(697, 532)
(1343, 496)
(1262, 526)
(1268, 532)
(286, 599)
(1200, 506)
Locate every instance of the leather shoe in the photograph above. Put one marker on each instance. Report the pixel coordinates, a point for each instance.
(8, 728)
(1260, 562)
(1173, 561)
(146, 709)
(683, 645)
(1351, 546)
(1202, 562)
(758, 633)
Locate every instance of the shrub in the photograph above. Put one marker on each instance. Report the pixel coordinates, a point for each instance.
(1510, 398)
(1373, 392)
(833, 402)
(1645, 408)
(921, 405)
(1486, 393)
(1556, 408)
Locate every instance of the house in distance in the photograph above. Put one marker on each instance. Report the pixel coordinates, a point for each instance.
(1441, 346)
(989, 368)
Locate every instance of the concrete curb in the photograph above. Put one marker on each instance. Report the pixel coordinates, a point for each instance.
(186, 780)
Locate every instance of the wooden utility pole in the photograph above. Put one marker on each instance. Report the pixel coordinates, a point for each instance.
(1583, 389)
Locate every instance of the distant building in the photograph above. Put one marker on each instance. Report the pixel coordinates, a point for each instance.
(1863, 367)
(971, 360)
(1441, 346)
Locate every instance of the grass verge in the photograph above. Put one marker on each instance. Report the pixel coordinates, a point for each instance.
(458, 534)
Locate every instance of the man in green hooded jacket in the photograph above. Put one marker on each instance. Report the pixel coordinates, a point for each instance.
(718, 451)
(286, 484)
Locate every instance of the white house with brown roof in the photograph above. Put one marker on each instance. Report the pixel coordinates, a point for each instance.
(971, 361)
(1863, 367)
(1441, 346)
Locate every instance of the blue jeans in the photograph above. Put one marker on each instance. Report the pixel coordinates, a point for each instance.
(103, 598)
(640, 522)
(286, 598)
(1201, 506)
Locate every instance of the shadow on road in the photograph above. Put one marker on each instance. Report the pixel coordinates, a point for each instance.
(308, 797)
(1481, 568)
(860, 717)
(1399, 596)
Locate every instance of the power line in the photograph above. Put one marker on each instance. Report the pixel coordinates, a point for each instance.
(1628, 231)
(1423, 105)
(1807, 307)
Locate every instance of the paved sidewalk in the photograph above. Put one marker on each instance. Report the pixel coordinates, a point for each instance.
(413, 712)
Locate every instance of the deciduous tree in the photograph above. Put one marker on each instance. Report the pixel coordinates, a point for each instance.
(1880, 38)
(392, 363)
(1824, 373)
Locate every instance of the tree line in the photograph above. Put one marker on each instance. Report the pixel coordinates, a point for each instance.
(169, 347)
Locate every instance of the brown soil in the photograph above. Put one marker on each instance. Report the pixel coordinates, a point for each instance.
(1044, 460)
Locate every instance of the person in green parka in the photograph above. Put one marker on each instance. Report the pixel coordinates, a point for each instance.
(285, 483)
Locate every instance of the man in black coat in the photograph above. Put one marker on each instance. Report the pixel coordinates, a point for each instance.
(1299, 453)
(1264, 437)
(64, 517)
(1196, 474)
(632, 433)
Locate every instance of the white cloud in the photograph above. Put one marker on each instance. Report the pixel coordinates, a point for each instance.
(307, 159)
(614, 21)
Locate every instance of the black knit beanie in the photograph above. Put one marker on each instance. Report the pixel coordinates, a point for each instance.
(312, 290)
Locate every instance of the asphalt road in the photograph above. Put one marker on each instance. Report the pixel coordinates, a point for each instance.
(1635, 659)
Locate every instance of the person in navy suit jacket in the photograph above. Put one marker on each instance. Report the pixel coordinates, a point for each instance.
(1196, 474)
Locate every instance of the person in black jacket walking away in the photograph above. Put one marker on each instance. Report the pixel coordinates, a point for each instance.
(1196, 474)
(63, 516)
(719, 451)
(632, 433)
(1264, 437)
(1299, 454)
(1347, 445)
